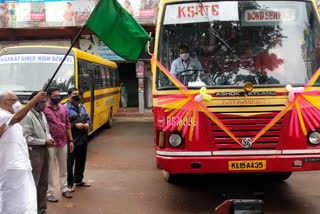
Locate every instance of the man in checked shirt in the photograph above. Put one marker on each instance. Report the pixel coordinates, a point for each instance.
(60, 129)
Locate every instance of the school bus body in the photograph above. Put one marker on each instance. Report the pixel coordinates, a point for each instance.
(96, 78)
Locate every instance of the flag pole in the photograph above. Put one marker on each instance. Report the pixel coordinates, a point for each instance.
(65, 56)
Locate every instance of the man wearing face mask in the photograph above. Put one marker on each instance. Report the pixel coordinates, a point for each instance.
(59, 127)
(79, 121)
(184, 63)
(36, 131)
(17, 188)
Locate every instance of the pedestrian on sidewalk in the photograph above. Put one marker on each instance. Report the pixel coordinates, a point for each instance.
(79, 120)
(36, 132)
(17, 189)
(59, 127)
(123, 95)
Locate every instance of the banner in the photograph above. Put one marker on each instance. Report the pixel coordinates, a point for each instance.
(57, 13)
(64, 43)
(144, 11)
(93, 45)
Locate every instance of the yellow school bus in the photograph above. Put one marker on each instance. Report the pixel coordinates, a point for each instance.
(24, 69)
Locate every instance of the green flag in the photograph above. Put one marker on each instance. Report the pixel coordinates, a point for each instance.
(117, 29)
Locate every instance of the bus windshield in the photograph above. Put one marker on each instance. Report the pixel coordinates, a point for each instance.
(32, 72)
(234, 42)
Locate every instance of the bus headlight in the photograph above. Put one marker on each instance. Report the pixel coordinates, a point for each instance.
(175, 139)
(314, 138)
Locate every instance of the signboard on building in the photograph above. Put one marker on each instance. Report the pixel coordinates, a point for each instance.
(56, 13)
(92, 44)
(144, 11)
(54, 42)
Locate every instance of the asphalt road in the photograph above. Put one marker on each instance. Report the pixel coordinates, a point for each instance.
(121, 167)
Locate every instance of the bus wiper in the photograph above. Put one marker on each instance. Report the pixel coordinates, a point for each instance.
(214, 32)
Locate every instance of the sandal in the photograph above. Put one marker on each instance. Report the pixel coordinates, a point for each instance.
(71, 188)
(83, 184)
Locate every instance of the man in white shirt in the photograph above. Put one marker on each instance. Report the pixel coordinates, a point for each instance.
(185, 63)
(17, 188)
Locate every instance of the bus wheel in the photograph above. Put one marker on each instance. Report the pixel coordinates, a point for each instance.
(109, 122)
(280, 176)
(169, 177)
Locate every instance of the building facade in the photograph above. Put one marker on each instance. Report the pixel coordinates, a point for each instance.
(57, 22)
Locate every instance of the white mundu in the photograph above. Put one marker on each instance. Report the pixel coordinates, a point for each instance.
(17, 187)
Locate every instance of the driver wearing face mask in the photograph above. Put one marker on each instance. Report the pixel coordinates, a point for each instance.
(185, 63)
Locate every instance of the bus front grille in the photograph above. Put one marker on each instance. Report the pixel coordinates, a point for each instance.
(246, 127)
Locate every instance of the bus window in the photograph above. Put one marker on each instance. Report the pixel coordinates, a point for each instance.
(83, 78)
(113, 77)
(97, 78)
(108, 77)
(32, 72)
(103, 76)
(117, 78)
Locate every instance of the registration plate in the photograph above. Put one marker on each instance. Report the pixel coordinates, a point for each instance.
(247, 165)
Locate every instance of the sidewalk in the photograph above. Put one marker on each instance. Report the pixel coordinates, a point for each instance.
(133, 114)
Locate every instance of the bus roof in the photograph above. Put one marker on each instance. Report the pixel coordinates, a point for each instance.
(36, 49)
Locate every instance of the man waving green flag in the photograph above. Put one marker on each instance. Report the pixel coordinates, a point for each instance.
(117, 29)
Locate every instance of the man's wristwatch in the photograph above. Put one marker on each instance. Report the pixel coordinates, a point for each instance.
(71, 141)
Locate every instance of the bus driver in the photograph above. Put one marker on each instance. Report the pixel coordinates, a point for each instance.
(185, 63)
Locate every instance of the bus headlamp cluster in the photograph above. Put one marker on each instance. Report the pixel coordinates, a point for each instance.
(314, 138)
(175, 139)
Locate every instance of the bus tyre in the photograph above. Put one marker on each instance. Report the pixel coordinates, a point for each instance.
(109, 122)
(280, 176)
(169, 177)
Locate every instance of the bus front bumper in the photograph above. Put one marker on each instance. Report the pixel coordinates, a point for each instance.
(231, 164)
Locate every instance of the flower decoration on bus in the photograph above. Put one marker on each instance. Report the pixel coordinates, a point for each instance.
(202, 95)
(304, 106)
(185, 107)
(305, 111)
(303, 103)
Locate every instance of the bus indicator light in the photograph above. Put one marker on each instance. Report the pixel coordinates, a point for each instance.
(248, 87)
(161, 142)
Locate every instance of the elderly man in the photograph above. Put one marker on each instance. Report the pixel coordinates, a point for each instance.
(36, 131)
(17, 188)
